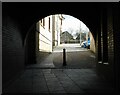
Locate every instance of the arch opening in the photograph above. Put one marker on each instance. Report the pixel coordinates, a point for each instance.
(63, 28)
(59, 31)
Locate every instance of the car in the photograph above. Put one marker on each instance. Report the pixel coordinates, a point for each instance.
(86, 44)
(83, 44)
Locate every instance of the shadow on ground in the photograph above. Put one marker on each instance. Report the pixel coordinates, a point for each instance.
(82, 59)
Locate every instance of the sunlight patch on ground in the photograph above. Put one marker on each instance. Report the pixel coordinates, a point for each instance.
(69, 48)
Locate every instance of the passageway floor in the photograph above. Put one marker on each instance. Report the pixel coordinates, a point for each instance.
(50, 77)
(67, 81)
(76, 58)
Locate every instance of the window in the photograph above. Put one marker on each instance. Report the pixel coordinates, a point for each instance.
(49, 24)
(41, 21)
(44, 23)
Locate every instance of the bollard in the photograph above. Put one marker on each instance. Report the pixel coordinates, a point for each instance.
(64, 57)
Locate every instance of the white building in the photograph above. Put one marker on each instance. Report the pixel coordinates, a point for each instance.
(49, 29)
(57, 19)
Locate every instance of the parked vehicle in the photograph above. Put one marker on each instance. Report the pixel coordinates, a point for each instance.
(86, 44)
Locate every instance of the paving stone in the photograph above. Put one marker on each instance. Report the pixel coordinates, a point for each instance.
(39, 83)
(49, 75)
(46, 70)
(38, 76)
(59, 81)
(38, 79)
(58, 92)
(40, 93)
(52, 83)
(64, 79)
(73, 89)
(39, 88)
(55, 88)
(67, 82)
(60, 75)
(36, 70)
(51, 79)
(25, 76)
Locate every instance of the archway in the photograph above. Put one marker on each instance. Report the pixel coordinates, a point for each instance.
(30, 16)
(49, 40)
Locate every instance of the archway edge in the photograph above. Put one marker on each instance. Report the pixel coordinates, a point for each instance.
(28, 13)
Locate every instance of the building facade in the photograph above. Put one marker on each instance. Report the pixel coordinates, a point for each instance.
(49, 29)
(57, 29)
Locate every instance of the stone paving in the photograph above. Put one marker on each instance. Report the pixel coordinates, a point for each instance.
(50, 77)
(76, 58)
(65, 81)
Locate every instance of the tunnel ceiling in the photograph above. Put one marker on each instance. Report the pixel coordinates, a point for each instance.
(28, 13)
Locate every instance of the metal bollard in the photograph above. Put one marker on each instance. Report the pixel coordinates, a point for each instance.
(64, 57)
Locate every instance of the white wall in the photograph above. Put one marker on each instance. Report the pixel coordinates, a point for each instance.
(45, 36)
(57, 29)
(49, 36)
(92, 43)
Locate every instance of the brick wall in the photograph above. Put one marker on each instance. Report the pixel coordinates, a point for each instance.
(104, 37)
(116, 28)
(30, 46)
(12, 49)
(110, 40)
(105, 45)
